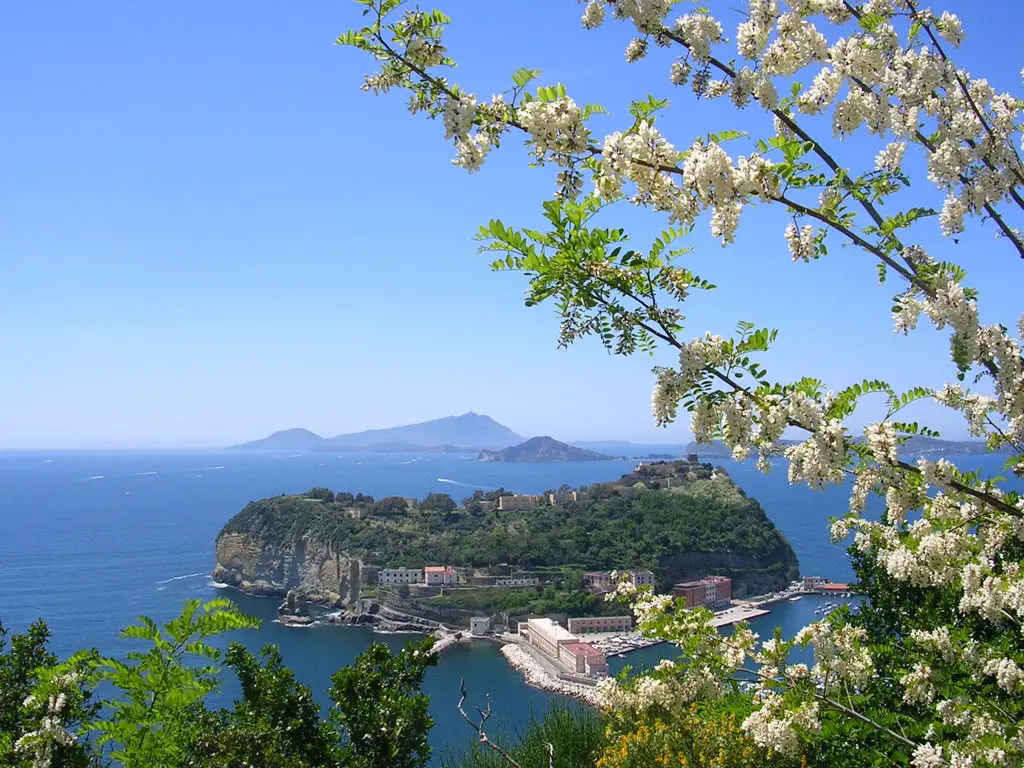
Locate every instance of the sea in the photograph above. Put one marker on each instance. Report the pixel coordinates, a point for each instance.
(89, 541)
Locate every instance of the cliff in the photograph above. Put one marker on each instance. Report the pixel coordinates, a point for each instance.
(310, 566)
(681, 520)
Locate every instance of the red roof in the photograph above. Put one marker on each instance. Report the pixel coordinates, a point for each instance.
(583, 649)
(435, 569)
(835, 586)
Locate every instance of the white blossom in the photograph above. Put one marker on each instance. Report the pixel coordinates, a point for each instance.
(593, 14)
(951, 28)
(928, 756)
(636, 50)
(889, 159)
(1009, 676)
(800, 241)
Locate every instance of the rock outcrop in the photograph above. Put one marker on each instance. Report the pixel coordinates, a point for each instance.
(311, 568)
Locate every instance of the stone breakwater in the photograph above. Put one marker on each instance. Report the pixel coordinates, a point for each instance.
(538, 676)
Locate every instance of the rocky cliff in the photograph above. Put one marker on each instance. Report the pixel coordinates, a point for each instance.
(312, 568)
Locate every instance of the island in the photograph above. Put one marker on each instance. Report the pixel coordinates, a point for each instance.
(542, 449)
(413, 563)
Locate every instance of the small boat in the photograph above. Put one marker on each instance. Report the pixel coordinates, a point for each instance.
(794, 599)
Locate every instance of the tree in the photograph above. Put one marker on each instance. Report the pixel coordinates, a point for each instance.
(391, 506)
(438, 502)
(932, 672)
(325, 495)
(41, 705)
(380, 709)
(275, 724)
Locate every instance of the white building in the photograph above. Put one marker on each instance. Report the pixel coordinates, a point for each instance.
(517, 581)
(440, 576)
(546, 635)
(478, 625)
(400, 576)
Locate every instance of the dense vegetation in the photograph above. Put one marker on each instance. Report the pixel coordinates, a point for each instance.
(154, 711)
(630, 523)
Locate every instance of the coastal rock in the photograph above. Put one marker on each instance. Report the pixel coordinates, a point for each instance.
(310, 567)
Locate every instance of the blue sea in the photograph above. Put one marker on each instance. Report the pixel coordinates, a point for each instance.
(89, 541)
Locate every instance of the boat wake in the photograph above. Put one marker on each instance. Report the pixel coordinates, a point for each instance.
(145, 473)
(186, 576)
(456, 482)
(95, 477)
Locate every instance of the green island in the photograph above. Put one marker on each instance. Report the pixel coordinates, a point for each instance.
(678, 519)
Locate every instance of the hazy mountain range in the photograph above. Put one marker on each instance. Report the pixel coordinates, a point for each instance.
(473, 432)
(468, 432)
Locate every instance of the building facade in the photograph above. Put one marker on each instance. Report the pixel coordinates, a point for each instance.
(814, 582)
(440, 576)
(517, 502)
(517, 581)
(602, 579)
(588, 624)
(710, 592)
(583, 659)
(546, 635)
(479, 625)
(563, 498)
(400, 576)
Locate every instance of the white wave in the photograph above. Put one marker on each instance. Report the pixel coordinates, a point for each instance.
(145, 473)
(211, 469)
(48, 461)
(405, 462)
(186, 576)
(219, 584)
(95, 477)
(456, 482)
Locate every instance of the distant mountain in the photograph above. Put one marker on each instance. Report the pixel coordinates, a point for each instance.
(542, 449)
(296, 439)
(452, 434)
(470, 431)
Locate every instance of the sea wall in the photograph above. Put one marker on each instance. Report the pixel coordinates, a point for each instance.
(312, 568)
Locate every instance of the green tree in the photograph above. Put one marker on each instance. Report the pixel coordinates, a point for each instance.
(275, 724)
(438, 502)
(379, 707)
(41, 703)
(391, 506)
(325, 495)
(161, 690)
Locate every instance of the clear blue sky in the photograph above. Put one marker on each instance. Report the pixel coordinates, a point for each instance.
(207, 233)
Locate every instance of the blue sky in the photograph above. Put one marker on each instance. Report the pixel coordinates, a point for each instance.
(207, 233)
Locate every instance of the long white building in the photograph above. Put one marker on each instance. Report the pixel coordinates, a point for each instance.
(400, 576)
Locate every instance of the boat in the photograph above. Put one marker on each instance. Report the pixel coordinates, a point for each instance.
(794, 599)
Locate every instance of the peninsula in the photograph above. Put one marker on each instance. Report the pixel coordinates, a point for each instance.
(503, 555)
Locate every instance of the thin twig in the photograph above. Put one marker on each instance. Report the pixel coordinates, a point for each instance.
(485, 714)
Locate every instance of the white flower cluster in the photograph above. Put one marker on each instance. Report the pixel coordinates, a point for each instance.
(554, 126)
(919, 685)
(800, 241)
(698, 31)
(840, 652)
(778, 728)
(39, 744)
